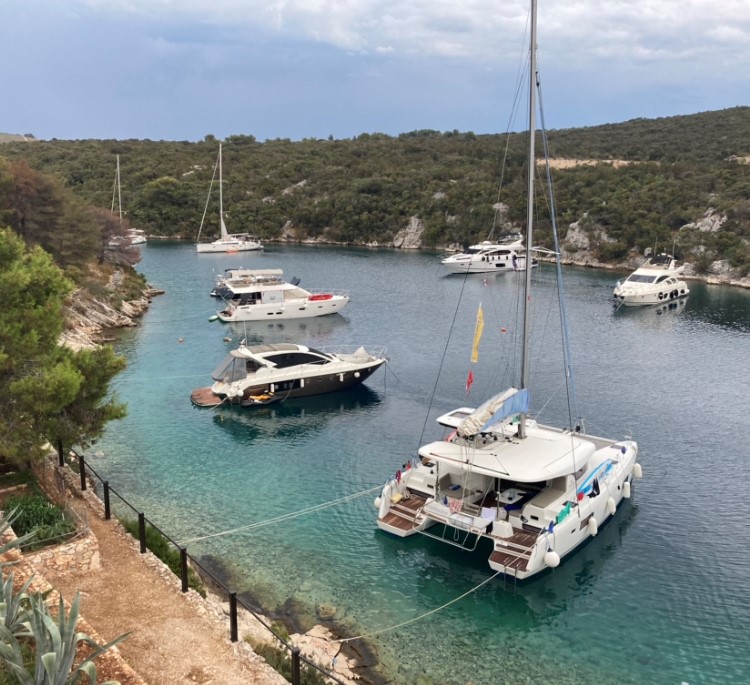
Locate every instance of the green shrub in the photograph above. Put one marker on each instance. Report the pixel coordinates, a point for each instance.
(164, 550)
(36, 516)
(281, 661)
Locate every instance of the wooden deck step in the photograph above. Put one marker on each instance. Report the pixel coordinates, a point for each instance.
(509, 561)
(403, 514)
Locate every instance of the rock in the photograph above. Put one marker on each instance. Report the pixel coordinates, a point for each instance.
(326, 611)
(410, 238)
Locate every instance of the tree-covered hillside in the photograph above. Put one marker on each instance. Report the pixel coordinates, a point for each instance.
(365, 190)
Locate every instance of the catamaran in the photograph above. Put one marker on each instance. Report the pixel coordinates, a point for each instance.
(532, 492)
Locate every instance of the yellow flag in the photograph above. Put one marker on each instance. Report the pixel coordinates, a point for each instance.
(478, 328)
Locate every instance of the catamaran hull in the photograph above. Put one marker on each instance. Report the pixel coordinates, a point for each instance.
(299, 309)
(520, 550)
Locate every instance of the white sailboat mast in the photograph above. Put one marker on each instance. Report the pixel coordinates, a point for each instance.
(529, 213)
(224, 232)
(117, 191)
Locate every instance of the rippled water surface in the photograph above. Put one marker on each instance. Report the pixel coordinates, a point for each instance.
(660, 596)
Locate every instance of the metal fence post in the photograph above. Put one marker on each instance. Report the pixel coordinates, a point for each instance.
(107, 511)
(233, 616)
(295, 666)
(184, 568)
(142, 532)
(82, 467)
(60, 454)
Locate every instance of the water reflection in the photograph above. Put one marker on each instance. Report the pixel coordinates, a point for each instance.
(316, 332)
(294, 417)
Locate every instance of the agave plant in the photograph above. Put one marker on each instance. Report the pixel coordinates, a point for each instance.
(14, 605)
(56, 643)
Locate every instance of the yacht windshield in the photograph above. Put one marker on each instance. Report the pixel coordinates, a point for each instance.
(640, 278)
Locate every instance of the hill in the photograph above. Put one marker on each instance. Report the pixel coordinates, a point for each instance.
(672, 173)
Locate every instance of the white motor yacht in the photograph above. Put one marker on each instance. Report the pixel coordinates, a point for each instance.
(263, 295)
(657, 281)
(502, 254)
(262, 374)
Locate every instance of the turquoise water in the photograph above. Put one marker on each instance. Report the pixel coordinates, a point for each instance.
(660, 596)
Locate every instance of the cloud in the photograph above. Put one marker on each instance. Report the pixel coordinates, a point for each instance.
(295, 68)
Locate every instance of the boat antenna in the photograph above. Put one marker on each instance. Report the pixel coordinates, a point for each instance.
(529, 213)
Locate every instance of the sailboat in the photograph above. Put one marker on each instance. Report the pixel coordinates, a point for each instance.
(533, 492)
(135, 236)
(228, 242)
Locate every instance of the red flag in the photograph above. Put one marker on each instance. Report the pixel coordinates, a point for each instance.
(469, 381)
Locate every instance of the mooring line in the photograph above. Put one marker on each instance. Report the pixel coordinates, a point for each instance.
(282, 517)
(419, 618)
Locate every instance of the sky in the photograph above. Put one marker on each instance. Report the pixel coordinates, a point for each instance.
(185, 69)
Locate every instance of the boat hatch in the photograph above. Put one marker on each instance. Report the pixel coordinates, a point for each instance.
(453, 418)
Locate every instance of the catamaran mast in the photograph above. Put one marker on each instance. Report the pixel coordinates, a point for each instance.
(529, 213)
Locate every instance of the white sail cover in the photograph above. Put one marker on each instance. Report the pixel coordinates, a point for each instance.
(493, 411)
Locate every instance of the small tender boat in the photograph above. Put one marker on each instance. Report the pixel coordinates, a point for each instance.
(263, 295)
(262, 374)
(502, 254)
(656, 281)
(137, 236)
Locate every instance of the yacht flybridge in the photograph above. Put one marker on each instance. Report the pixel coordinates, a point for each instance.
(657, 281)
(535, 492)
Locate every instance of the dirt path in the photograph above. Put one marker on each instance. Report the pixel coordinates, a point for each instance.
(175, 638)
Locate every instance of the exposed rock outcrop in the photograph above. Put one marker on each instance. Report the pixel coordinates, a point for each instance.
(87, 319)
(410, 238)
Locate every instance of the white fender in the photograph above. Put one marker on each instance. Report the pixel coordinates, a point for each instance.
(637, 470)
(593, 527)
(552, 559)
(377, 502)
(301, 382)
(356, 374)
(626, 489)
(611, 506)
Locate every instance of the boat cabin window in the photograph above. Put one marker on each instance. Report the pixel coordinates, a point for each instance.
(287, 359)
(640, 278)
